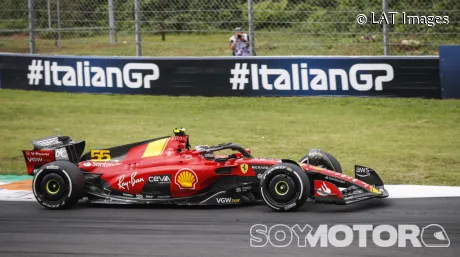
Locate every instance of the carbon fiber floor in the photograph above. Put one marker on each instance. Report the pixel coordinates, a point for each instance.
(27, 229)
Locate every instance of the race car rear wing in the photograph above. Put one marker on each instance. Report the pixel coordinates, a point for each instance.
(53, 148)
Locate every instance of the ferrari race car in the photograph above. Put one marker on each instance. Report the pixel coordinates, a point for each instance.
(167, 170)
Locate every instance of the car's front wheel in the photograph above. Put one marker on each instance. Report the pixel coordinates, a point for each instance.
(58, 185)
(285, 187)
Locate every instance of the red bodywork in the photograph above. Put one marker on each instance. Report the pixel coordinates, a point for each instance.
(130, 174)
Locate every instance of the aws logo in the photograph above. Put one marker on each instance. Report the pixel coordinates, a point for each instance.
(186, 179)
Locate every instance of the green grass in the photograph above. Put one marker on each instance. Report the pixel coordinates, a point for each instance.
(217, 45)
(405, 140)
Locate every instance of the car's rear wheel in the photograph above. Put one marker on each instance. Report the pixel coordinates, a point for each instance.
(332, 164)
(58, 185)
(285, 187)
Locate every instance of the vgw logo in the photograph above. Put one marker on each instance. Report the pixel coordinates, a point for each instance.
(132, 75)
(228, 200)
(305, 78)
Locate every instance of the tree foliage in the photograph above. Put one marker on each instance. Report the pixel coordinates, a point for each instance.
(176, 16)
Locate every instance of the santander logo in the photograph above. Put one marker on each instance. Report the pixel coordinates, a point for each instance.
(324, 190)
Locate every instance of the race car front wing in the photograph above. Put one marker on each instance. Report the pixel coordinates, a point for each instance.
(327, 192)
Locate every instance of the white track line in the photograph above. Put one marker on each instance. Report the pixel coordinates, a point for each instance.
(16, 195)
(416, 191)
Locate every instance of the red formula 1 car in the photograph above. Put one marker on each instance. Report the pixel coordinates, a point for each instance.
(167, 171)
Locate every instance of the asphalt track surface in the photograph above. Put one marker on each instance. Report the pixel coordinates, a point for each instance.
(27, 229)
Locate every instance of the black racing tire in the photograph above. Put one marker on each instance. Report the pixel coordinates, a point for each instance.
(58, 185)
(285, 187)
(335, 163)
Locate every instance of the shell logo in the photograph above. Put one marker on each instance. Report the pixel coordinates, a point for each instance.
(186, 179)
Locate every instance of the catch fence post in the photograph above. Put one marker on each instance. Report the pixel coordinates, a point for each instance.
(137, 17)
(251, 27)
(31, 6)
(112, 29)
(386, 35)
(58, 24)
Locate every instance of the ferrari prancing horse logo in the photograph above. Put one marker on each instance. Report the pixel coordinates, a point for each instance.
(244, 168)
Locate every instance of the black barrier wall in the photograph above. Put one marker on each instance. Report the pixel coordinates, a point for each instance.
(233, 76)
(450, 71)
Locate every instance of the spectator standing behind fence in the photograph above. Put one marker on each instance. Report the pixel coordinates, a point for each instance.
(239, 43)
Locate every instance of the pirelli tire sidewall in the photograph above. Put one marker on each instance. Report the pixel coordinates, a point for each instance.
(294, 174)
(71, 176)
